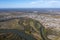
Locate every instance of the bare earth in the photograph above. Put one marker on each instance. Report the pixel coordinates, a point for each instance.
(50, 22)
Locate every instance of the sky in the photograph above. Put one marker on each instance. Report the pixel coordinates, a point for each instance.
(29, 3)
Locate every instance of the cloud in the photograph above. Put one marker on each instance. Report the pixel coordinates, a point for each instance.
(45, 3)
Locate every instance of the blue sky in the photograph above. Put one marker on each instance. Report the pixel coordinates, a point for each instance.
(29, 3)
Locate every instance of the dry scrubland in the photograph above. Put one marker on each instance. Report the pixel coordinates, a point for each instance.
(50, 22)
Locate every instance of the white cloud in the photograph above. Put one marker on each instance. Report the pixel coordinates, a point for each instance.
(50, 3)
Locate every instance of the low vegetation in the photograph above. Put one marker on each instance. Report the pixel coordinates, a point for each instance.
(27, 25)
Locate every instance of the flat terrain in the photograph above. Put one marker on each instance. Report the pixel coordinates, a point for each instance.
(49, 21)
